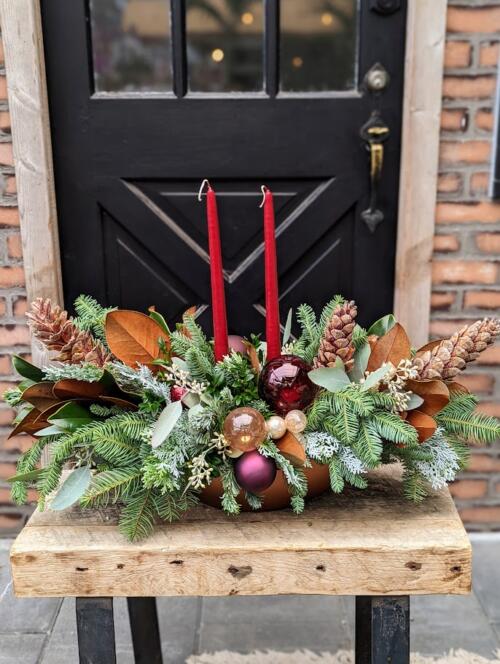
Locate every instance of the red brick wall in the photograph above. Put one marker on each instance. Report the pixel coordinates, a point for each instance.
(466, 272)
(466, 268)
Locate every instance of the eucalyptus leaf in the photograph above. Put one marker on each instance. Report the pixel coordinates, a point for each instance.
(415, 401)
(361, 357)
(72, 489)
(190, 400)
(374, 378)
(180, 363)
(288, 327)
(166, 422)
(26, 477)
(382, 325)
(26, 369)
(70, 417)
(333, 379)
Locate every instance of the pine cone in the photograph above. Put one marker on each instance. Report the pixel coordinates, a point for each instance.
(337, 337)
(52, 326)
(450, 356)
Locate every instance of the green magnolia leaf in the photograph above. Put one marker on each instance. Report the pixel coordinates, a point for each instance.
(50, 431)
(70, 417)
(26, 369)
(166, 422)
(72, 488)
(382, 325)
(158, 318)
(288, 327)
(415, 401)
(333, 379)
(374, 378)
(26, 477)
(361, 357)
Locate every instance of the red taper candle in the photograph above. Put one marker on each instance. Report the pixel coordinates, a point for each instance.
(216, 278)
(271, 279)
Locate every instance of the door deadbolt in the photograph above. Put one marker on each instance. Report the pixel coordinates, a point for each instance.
(377, 78)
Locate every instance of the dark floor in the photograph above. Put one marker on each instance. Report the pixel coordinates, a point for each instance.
(44, 631)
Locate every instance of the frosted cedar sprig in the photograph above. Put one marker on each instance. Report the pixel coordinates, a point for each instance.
(450, 356)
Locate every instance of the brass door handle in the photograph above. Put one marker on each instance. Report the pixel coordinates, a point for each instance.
(374, 133)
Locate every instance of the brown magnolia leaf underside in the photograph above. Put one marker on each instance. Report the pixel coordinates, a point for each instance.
(457, 388)
(78, 389)
(291, 449)
(29, 424)
(253, 356)
(429, 346)
(133, 337)
(392, 347)
(40, 395)
(435, 394)
(423, 423)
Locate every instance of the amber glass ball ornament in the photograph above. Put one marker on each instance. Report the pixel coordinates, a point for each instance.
(245, 429)
(285, 385)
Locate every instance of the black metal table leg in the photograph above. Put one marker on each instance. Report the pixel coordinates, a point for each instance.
(96, 630)
(145, 632)
(383, 630)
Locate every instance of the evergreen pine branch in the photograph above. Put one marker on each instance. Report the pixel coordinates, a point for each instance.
(231, 490)
(253, 500)
(336, 479)
(343, 425)
(392, 428)
(180, 343)
(170, 507)
(467, 425)
(307, 321)
(91, 317)
(359, 337)
(27, 463)
(49, 480)
(368, 444)
(414, 486)
(112, 486)
(200, 365)
(328, 310)
(137, 518)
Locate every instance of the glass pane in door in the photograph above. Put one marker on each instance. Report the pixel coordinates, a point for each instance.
(318, 45)
(225, 45)
(131, 45)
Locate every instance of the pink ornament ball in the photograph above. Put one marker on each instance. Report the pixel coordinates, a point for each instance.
(254, 472)
(177, 392)
(285, 385)
(235, 343)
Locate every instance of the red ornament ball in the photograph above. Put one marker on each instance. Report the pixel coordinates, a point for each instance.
(177, 392)
(285, 385)
(254, 472)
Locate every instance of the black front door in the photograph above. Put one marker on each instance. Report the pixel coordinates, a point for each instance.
(148, 97)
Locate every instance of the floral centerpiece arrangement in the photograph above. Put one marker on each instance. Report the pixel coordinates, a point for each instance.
(153, 419)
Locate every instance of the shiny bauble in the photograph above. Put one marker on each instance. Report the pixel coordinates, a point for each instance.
(285, 385)
(295, 421)
(276, 427)
(237, 344)
(245, 429)
(177, 392)
(254, 472)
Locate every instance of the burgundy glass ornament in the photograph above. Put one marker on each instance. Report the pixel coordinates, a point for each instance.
(285, 385)
(177, 392)
(254, 472)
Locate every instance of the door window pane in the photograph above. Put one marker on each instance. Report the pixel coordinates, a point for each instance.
(131, 45)
(318, 45)
(225, 45)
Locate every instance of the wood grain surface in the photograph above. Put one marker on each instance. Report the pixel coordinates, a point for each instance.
(370, 542)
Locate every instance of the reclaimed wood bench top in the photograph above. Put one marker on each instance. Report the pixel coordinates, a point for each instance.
(370, 542)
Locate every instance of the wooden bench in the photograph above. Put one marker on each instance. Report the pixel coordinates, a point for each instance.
(372, 544)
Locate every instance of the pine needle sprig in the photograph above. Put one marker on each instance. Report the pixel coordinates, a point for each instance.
(231, 489)
(137, 518)
(112, 486)
(91, 316)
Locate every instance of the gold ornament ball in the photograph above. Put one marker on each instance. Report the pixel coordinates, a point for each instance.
(245, 429)
(295, 421)
(276, 427)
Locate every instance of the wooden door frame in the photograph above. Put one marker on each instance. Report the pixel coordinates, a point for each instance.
(25, 64)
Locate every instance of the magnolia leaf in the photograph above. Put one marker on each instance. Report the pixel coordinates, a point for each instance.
(29, 424)
(40, 395)
(429, 346)
(158, 318)
(26, 369)
(392, 347)
(361, 357)
(122, 403)
(51, 430)
(70, 417)
(424, 424)
(166, 422)
(382, 325)
(374, 378)
(333, 379)
(133, 337)
(435, 394)
(26, 477)
(457, 388)
(288, 327)
(70, 388)
(73, 488)
(415, 402)
(291, 449)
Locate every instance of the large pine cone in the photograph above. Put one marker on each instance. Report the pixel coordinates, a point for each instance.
(337, 337)
(450, 356)
(53, 327)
